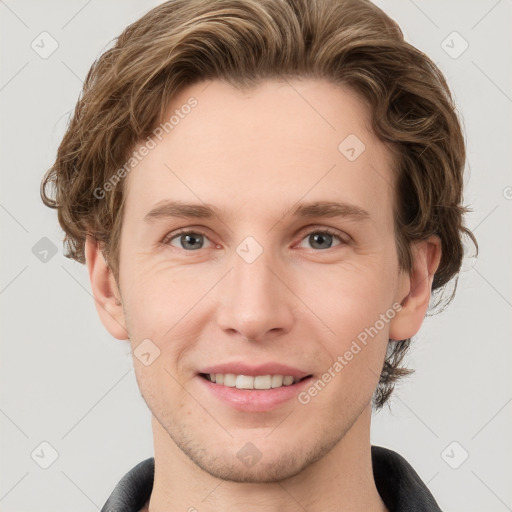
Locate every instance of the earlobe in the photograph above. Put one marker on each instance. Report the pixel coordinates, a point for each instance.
(418, 286)
(107, 298)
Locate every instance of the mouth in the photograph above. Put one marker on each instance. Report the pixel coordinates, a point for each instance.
(253, 388)
(250, 382)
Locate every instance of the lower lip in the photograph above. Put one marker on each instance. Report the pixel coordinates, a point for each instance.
(255, 400)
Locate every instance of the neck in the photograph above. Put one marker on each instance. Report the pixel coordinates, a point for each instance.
(341, 480)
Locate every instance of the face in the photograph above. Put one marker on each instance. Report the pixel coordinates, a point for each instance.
(288, 257)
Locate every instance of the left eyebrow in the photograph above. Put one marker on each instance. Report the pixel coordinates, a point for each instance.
(330, 209)
(167, 208)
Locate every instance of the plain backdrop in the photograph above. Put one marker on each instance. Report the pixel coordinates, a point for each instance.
(67, 384)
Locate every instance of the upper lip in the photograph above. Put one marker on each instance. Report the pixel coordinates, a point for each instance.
(240, 368)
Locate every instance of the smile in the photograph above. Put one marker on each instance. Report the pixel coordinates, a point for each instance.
(251, 382)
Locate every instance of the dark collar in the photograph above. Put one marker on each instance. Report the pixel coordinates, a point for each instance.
(399, 486)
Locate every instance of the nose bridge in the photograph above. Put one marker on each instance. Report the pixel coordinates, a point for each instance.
(252, 277)
(255, 300)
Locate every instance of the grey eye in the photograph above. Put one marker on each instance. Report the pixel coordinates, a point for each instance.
(190, 241)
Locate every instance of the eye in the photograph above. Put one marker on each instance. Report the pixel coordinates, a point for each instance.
(322, 238)
(188, 240)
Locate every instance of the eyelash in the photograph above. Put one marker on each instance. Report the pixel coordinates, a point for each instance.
(186, 231)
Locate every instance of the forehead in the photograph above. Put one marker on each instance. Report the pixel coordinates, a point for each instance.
(268, 146)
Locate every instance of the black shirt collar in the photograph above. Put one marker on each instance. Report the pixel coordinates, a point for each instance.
(398, 484)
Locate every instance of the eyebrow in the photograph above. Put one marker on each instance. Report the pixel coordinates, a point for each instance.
(169, 209)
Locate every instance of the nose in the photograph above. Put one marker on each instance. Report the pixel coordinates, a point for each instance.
(256, 300)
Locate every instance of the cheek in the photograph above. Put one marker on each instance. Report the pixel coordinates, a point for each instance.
(154, 296)
(165, 305)
(349, 297)
(355, 306)
(357, 349)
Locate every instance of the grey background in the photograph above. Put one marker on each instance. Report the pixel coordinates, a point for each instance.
(66, 382)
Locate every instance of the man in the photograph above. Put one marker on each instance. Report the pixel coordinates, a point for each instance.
(265, 195)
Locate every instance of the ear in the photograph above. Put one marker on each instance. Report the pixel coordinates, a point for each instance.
(107, 297)
(415, 289)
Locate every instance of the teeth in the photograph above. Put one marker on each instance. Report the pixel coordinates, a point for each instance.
(248, 382)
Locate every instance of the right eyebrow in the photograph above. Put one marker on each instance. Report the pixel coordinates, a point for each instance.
(166, 208)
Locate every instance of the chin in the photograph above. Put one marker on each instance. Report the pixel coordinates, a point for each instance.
(230, 468)
(242, 461)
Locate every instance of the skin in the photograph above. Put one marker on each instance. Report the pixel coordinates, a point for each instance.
(253, 155)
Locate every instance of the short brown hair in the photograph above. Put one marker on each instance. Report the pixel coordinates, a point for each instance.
(349, 42)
